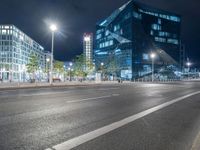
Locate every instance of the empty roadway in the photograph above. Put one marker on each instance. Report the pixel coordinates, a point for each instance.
(38, 119)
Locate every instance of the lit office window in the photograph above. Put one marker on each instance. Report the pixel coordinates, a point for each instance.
(159, 39)
(137, 15)
(164, 34)
(116, 27)
(156, 27)
(3, 32)
(106, 33)
(172, 18)
(151, 32)
(6, 27)
(145, 56)
(172, 41)
(98, 36)
(159, 21)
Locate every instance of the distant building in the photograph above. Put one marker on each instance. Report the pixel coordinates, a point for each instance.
(15, 50)
(88, 47)
(131, 33)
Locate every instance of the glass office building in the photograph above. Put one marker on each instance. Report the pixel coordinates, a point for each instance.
(131, 33)
(15, 50)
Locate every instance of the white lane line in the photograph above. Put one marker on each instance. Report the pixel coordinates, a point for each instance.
(74, 142)
(105, 89)
(92, 98)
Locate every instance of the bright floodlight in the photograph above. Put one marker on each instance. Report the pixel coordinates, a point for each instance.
(53, 27)
(153, 55)
(188, 64)
(87, 38)
(102, 64)
(70, 64)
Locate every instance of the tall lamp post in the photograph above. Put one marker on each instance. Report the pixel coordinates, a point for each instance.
(102, 66)
(53, 28)
(153, 55)
(70, 68)
(47, 68)
(188, 65)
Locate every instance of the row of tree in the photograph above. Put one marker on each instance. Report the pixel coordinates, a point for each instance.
(81, 68)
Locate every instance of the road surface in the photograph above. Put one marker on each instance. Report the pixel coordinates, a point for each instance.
(131, 116)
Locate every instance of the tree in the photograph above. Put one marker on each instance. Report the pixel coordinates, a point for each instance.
(59, 66)
(33, 65)
(79, 66)
(112, 68)
(89, 68)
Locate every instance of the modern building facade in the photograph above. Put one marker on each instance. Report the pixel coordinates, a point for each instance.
(128, 36)
(15, 50)
(88, 48)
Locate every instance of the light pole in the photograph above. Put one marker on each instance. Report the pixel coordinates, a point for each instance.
(153, 55)
(102, 64)
(53, 28)
(47, 68)
(70, 69)
(188, 65)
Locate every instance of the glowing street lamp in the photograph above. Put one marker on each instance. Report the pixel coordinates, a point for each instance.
(70, 69)
(70, 64)
(152, 55)
(188, 65)
(53, 29)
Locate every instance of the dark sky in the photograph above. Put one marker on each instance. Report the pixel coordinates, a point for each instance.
(75, 17)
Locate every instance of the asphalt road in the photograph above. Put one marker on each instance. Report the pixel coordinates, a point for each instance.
(102, 117)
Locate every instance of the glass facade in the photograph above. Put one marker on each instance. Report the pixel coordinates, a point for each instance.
(15, 50)
(129, 35)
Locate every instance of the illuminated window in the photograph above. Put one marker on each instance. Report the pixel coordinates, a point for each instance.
(145, 56)
(116, 27)
(156, 27)
(172, 41)
(3, 31)
(159, 21)
(151, 32)
(107, 33)
(6, 27)
(137, 15)
(98, 36)
(159, 39)
(164, 34)
(172, 18)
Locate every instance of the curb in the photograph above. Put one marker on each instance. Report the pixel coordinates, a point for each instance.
(47, 86)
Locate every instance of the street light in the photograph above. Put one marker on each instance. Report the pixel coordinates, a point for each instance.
(102, 75)
(70, 64)
(69, 74)
(153, 55)
(53, 28)
(188, 65)
(70, 69)
(47, 68)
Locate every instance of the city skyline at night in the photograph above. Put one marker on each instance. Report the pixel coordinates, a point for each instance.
(75, 18)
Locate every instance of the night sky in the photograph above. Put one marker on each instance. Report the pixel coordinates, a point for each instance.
(75, 17)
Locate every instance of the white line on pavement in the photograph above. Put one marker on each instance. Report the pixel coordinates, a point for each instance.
(92, 98)
(74, 142)
(105, 89)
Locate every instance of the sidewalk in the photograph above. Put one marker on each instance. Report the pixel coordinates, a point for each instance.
(5, 86)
